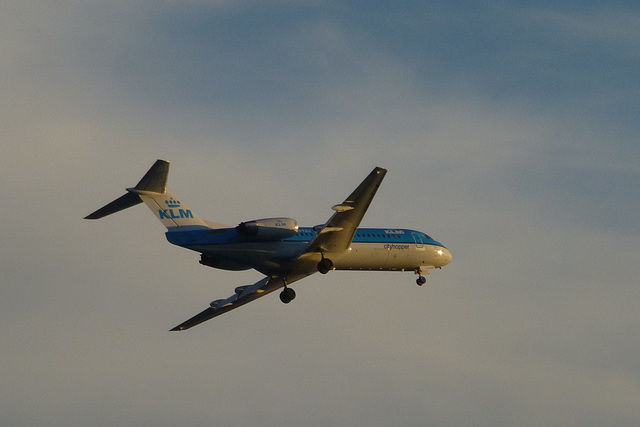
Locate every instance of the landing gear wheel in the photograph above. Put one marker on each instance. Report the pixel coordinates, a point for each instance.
(325, 266)
(421, 280)
(287, 295)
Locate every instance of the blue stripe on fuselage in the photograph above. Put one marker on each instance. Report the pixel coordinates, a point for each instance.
(183, 236)
(190, 236)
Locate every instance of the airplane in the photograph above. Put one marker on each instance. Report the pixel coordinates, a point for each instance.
(278, 247)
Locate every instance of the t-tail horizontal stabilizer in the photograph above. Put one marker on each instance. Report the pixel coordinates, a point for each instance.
(154, 181)
(121, 203)
(152, 190)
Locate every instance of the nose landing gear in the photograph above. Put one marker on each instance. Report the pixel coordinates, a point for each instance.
(421, 280)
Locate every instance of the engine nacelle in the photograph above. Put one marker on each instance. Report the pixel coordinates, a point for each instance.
(269, 228)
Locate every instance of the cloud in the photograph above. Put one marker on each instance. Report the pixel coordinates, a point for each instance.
(512, 145)
(613, 26)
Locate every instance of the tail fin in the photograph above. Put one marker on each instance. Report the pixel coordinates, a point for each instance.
(152, 190)
(155, 180)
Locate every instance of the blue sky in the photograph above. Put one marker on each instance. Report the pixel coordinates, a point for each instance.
(510, 133)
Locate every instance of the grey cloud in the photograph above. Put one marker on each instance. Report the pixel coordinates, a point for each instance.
(533, 323)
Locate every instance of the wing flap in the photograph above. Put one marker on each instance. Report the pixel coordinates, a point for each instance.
(338, 232)
(243, 295)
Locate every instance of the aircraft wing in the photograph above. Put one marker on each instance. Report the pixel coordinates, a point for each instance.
(243, 295)
(338, 232)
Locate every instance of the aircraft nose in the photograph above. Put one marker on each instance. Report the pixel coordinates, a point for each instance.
(444, 256)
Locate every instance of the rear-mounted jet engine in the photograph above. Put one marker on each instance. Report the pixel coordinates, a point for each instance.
(269, 228)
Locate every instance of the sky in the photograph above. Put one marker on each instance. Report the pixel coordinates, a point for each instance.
(510, 132)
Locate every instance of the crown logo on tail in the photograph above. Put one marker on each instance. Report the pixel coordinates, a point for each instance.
(172, 203)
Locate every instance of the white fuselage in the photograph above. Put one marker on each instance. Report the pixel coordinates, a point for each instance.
(371, 249)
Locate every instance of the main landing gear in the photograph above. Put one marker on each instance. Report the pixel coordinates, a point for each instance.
(287, 295)
(325, 266)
